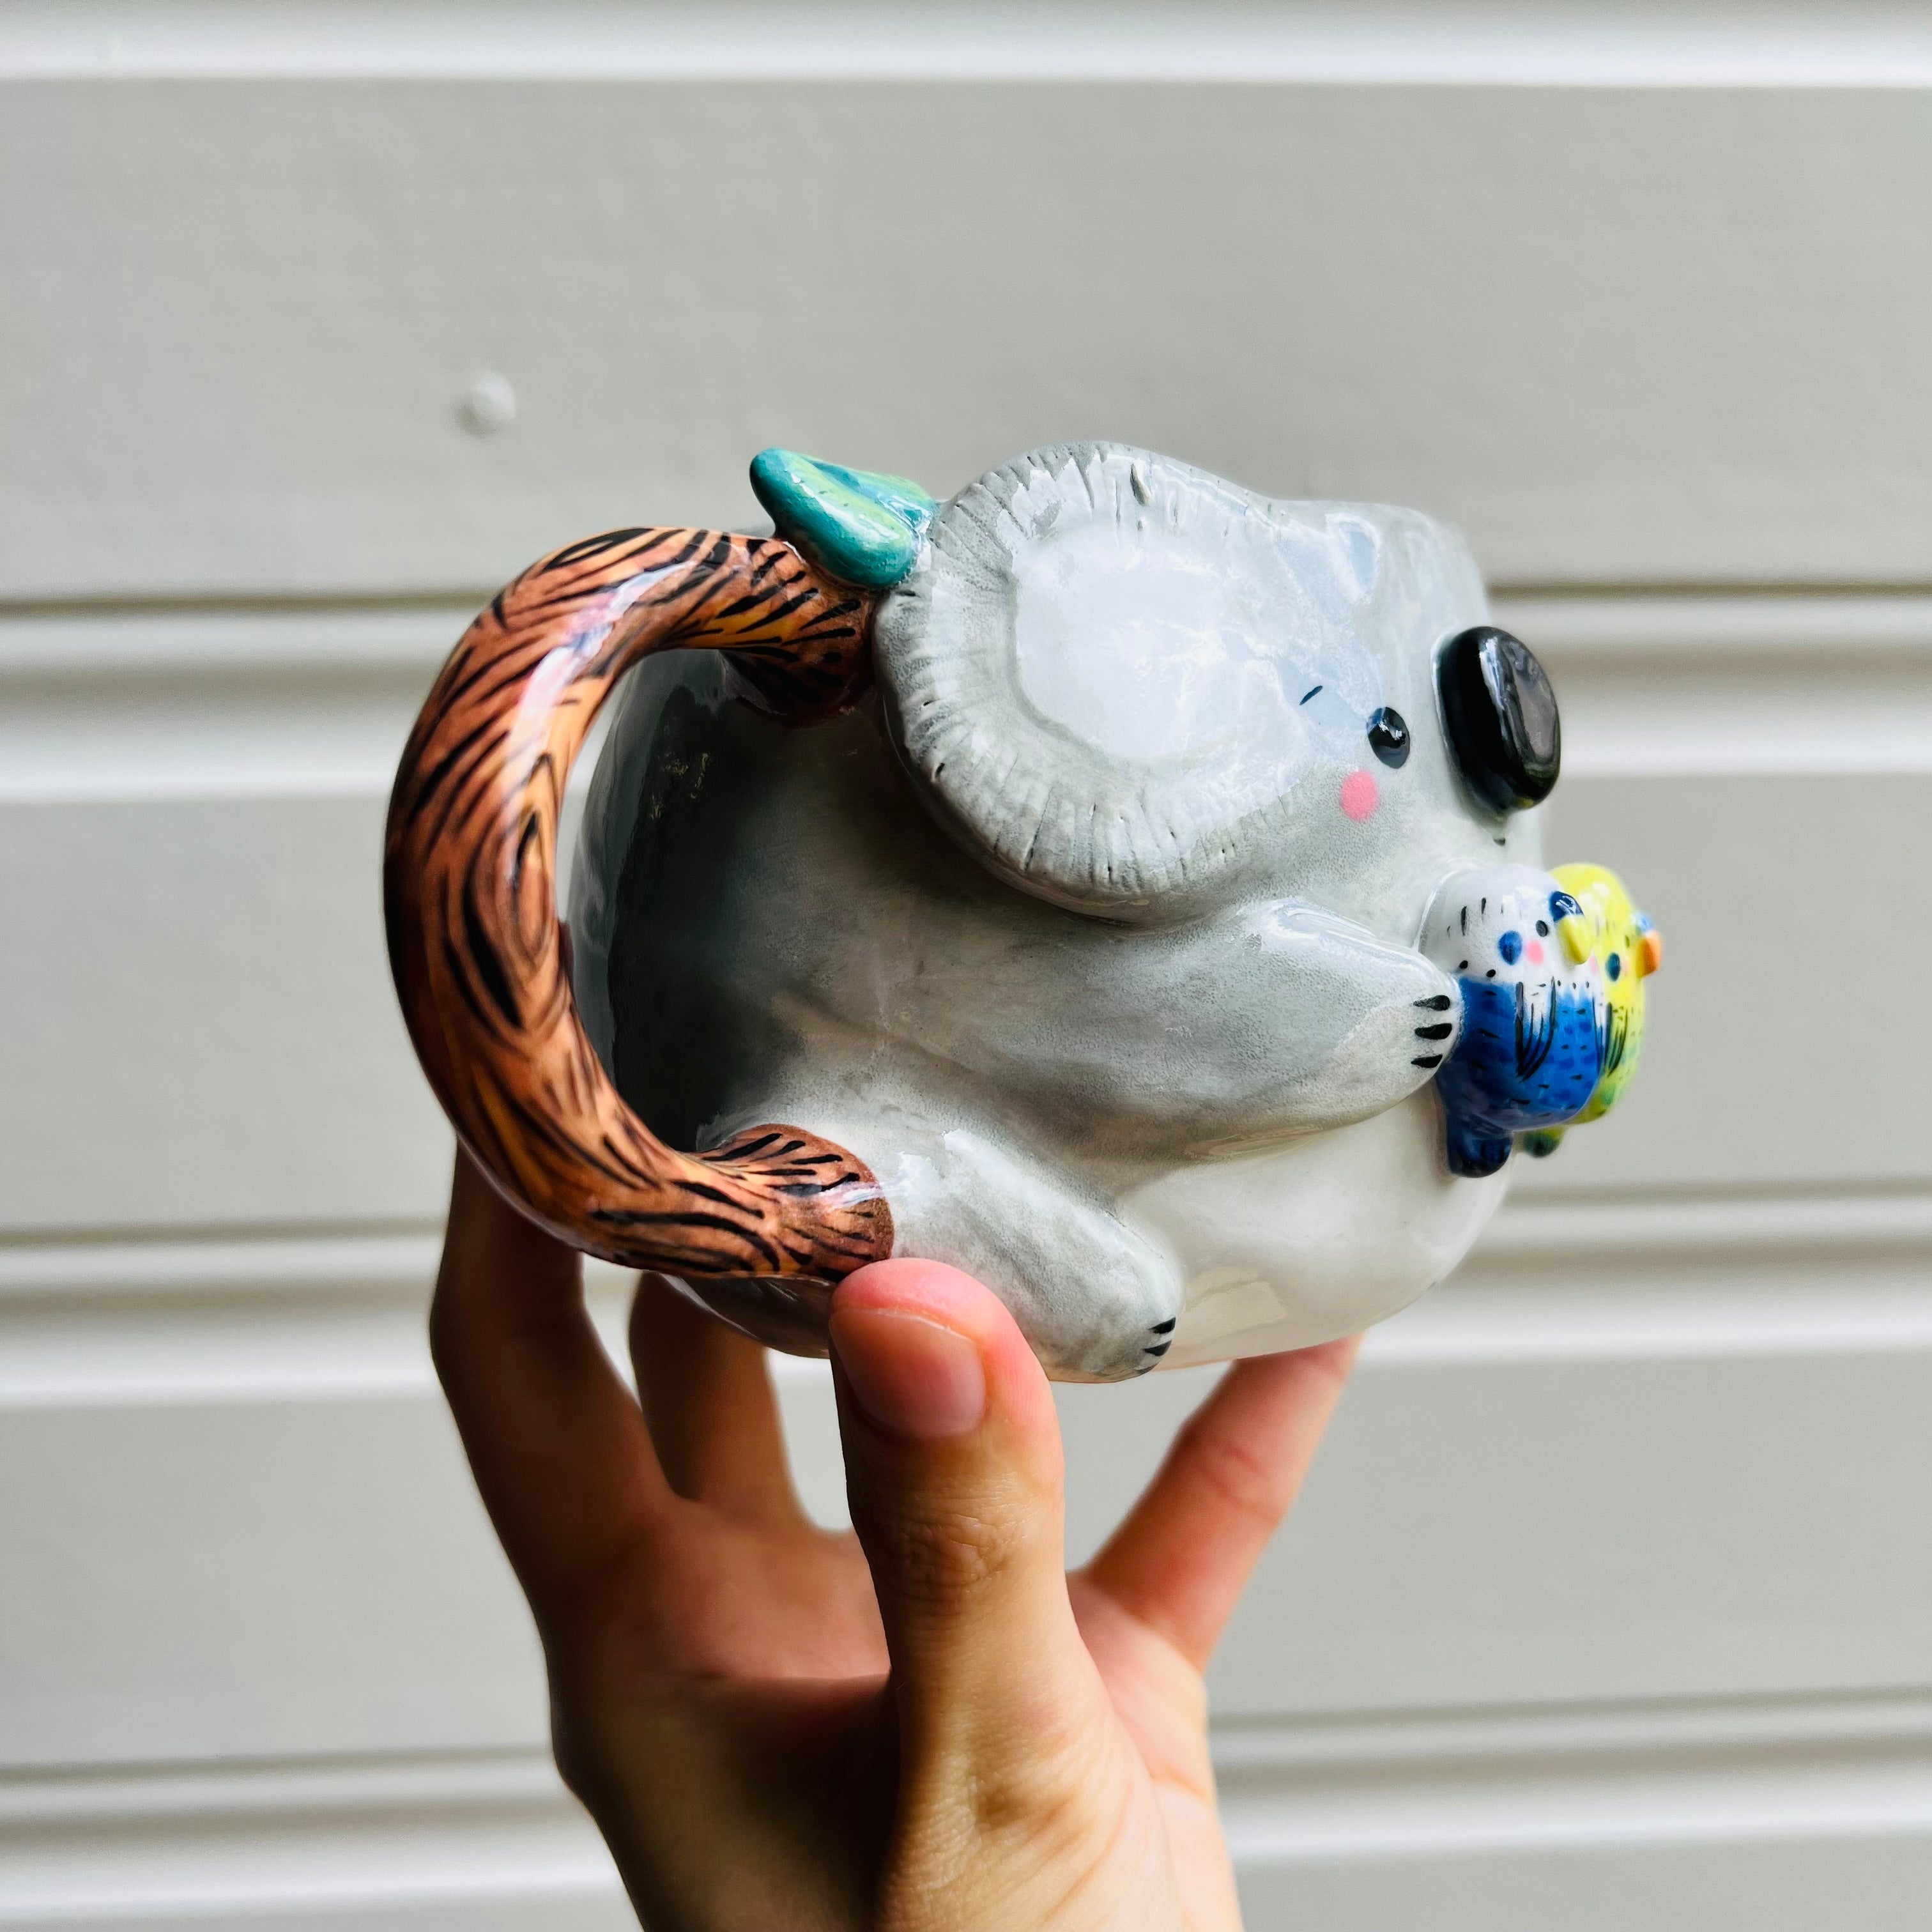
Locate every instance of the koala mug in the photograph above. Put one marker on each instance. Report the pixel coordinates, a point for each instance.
(1121, 885)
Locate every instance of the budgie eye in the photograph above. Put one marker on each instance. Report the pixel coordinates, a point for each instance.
(1388, 737)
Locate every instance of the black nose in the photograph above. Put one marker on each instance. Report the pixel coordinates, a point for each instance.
(1501, 715)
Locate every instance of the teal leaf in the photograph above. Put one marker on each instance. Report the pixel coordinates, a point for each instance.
(859, 527)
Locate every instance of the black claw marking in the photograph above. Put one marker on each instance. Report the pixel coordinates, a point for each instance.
(1163, 1328)
(1442, 1032)
(1436, 1003)
(1427, 1059)
(1161, 1349)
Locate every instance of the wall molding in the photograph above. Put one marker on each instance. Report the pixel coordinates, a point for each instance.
(1785, 682)
(1575, 626)
(1640, 1775)
(1695, 44)
(1335, 1742)
(1541, 1228)
(449, 1834)
(337, 1315)
(1538, 1230)
(215, 702)
(298, 701)
(442, 1831)
(191, 638)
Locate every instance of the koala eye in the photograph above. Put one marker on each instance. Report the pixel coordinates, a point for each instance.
(1501, 715)
(1388, 737)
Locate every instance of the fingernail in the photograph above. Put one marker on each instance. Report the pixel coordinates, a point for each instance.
(911, 1376)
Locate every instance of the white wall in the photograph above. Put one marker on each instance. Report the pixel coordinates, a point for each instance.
(1608, 1607)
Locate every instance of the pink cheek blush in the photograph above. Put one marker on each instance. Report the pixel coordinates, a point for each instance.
(1536, 953)
(1360, 796)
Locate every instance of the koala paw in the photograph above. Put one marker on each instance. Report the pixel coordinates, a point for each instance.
(1098, 1301)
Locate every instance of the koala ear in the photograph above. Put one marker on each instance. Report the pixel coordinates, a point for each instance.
(1138, 833)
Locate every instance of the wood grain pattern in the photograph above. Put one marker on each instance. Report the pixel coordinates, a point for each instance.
(470, 899)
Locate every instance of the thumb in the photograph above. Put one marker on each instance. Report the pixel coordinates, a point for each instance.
(954, 1470)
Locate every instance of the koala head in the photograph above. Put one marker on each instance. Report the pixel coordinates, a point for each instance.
(1137, 691)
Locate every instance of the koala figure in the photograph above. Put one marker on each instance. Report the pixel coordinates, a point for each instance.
(1092, 930)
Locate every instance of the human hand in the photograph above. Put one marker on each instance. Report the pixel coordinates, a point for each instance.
(928, 1727)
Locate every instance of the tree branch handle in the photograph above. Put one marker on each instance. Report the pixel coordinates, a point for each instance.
(470, 901)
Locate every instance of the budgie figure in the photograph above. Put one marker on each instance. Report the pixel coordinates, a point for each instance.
(1627, 949)
(1532, 1048)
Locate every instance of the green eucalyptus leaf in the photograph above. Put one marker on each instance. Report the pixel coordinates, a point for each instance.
(858, 525)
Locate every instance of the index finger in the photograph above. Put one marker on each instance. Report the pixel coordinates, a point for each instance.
(1181, 1559)
(558, 1447)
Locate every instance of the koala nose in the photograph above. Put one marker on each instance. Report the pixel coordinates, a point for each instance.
(1500, 716)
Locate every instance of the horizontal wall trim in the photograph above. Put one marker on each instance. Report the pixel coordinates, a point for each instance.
(1541, 1229)
(1369, 41)
(1724, 1772)
(1609, 1731)
(268, 639)
(276, 1839)
(334, 1317)
(213, 704)
(1546, 1323)
(89, 1794)
(1535, 1229)
(222, 641)
(1735, 1804)
(286, 1265)
(314, 702)
(446, 1829)
(1573, 626)
(1791, 683)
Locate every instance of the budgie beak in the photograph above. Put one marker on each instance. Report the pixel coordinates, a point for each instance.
(1578, 933)
(1650, 952)
(1577, 926)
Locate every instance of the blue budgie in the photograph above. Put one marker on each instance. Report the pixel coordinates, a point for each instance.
(1530, 1048)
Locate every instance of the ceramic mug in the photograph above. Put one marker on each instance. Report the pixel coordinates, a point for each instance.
(1121, 885)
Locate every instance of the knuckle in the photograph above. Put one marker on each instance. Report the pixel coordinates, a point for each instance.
(1043, 1787)
(577, 1751)
(1022, 1832)
(1244, 1484)
(443, 1330)
(942, 1561)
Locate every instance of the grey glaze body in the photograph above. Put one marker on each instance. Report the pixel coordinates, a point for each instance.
(1093, 932)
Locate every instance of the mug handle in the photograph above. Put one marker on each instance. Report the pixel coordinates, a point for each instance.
(470, 903)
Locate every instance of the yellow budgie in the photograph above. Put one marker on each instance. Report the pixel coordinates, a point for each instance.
(1628, 949)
